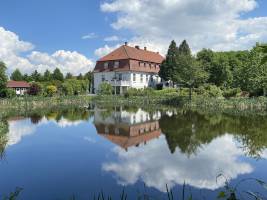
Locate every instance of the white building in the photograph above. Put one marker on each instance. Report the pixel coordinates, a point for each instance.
(128, 67)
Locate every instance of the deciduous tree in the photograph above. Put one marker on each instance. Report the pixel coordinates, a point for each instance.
(16, 75)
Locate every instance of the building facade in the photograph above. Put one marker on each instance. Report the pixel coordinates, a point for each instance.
(20, 87)
(128, 67)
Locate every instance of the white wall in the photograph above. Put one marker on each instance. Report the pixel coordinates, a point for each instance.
(127, 76)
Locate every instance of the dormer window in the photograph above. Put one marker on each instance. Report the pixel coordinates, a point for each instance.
(105, 65)
(116, 64)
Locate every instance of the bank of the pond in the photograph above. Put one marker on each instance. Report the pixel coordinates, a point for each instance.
(29, 103)
(256, 104)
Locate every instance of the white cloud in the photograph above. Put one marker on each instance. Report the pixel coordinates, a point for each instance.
(12, 48)
(19, 129)
(105, 50)
(156, 166)
(112, 38)
(89, 36)
(66, 61)
(212, 24)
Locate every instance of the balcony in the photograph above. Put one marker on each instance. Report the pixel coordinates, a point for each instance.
(115, 82)
(120, 83)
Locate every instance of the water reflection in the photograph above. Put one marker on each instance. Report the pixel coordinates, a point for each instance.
(127, 129)
(14, 127)
(150, 146)
(190, 146)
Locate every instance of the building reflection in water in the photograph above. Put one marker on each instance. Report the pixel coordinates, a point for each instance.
(127, 129)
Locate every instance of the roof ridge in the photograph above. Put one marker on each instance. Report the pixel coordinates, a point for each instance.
(126, 51)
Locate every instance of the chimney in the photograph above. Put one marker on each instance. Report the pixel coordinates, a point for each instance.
(137, 47)
(145, 48)
(126, 43)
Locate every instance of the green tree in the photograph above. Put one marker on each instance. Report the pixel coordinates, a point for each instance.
(69, 76)
(169, 64)
(90, 77)
(3, 79)
(220, 71)
(36, 76)
(184, 49)
(47, 75)
(188, 71)
(26, 78)
(57, 75)
(16, 75)
(264, 51)
(80, 77)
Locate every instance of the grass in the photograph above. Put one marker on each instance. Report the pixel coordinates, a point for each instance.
(233, 105)
(32, 102)
(229, 192)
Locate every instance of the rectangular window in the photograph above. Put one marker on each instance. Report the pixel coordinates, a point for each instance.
(141, 78)
(116, 64)
(147, 78)
(120, 77)
(103, 77)
(134, 77)
(105, 65)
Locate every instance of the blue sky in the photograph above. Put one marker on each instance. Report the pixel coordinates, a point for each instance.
(57, 24)
(53, 30)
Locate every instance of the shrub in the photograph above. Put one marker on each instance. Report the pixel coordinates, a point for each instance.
(10, 93)
(35, 89)
(105, 88)
(159, 86)
(233, 92)
(131, 92)
(210, 91)
(51, 90)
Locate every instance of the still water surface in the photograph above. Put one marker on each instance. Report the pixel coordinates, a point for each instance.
(58, 153)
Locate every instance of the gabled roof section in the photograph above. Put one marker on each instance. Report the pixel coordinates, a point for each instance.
(17, 84)
(127, 52)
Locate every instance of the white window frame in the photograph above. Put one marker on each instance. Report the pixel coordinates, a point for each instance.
(105, 65)
(134, 77)
(116, 64)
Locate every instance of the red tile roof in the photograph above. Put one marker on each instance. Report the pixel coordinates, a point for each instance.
(17, 84)
(127, 52)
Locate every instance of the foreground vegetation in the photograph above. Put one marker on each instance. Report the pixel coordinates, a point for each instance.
(208, 98)
(33, 102)
(229, 192)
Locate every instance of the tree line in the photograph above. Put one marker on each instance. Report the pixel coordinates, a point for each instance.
(47, 83)
(242, 70)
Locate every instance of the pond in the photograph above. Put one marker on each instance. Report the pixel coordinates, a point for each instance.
(75, 152)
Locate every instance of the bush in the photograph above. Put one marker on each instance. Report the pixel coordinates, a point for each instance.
(10, 93)
(159, 86)
(35, 89)
(210, 91)
(105, 89)
(51, 90)
(233, 92)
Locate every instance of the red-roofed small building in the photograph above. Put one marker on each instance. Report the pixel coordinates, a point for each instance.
(20, 87)
(128, 67)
